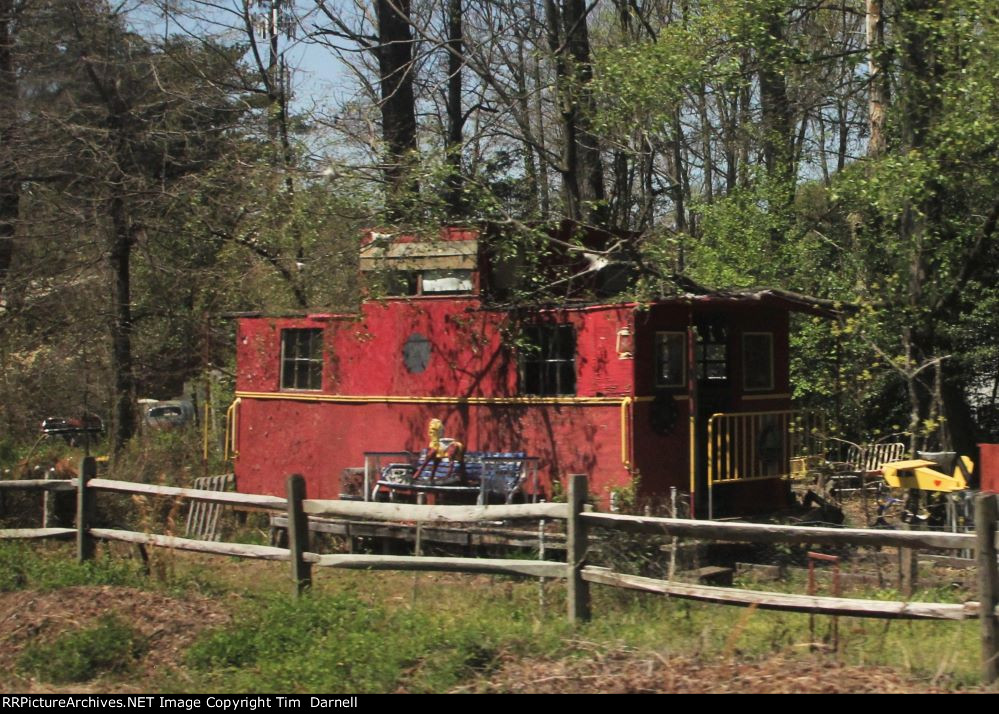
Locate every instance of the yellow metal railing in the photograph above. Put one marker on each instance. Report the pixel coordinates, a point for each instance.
(231, 450)
(761, 445)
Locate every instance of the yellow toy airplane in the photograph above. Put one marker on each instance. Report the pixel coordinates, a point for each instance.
(923, 475)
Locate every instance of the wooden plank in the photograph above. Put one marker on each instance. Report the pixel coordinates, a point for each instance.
(242, 550)
(577, 545)
(787, 602)
(37, 532)
(39, 484)
(531, 568)
(515, 536)
(219, 483)
(986, 518)
(402, 531)
(431, 514)
(237, 499)
(770, 533)
(191, 517)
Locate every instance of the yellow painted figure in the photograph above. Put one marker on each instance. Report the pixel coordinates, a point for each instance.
(440, 448)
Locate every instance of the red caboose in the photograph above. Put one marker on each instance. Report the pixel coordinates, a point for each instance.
(689, 391)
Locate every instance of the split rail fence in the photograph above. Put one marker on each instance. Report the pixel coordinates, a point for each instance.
(575, 571)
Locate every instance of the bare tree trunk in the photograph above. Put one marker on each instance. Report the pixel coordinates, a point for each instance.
(10, 182)
(678, 188)
(709, 164)
(621, 198)
(119, 259)
(525, 109)
(912, 390)
(541, 148)
(121, 134)
(877, 80)
(728, 109)
(844, 136)
(775, 106)
(582, 167)
(456, 203)
(398, 106)
(745, 115)
(959, 419)
(648, 218)
(823, 151)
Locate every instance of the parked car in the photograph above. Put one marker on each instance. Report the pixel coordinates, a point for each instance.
(72, 429)
(168, 415)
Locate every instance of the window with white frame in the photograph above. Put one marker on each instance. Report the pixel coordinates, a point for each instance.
(302, 359)
(428, 282)
(757, 361)
(671, 359)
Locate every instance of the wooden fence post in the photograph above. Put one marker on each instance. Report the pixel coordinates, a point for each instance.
(85, 510)
(986, 515)
(48, 503)
(908, 571)
(298, 534)
(578, 591)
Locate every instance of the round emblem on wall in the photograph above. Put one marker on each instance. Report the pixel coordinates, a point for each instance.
(416, 353)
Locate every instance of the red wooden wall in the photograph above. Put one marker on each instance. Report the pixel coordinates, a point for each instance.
(370, 401)
(471, 373)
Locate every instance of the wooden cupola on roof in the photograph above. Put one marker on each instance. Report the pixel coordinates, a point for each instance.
(412, 265)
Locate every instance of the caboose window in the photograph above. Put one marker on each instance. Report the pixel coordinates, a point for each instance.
(712, 352)
(398, 283)
(548, 361)
(758, 361)
(671, 359)
(302, 359)
(446, 282)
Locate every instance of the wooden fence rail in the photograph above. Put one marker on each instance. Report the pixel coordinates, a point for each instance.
(433, 514)
(787, 602)
(495, 566)
(242, 550)
(28, 533)
(37, 484)
(771, 533)
(224, 497)
(576, 571)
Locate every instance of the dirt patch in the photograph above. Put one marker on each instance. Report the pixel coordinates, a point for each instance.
(169, 624)
(628, 671)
